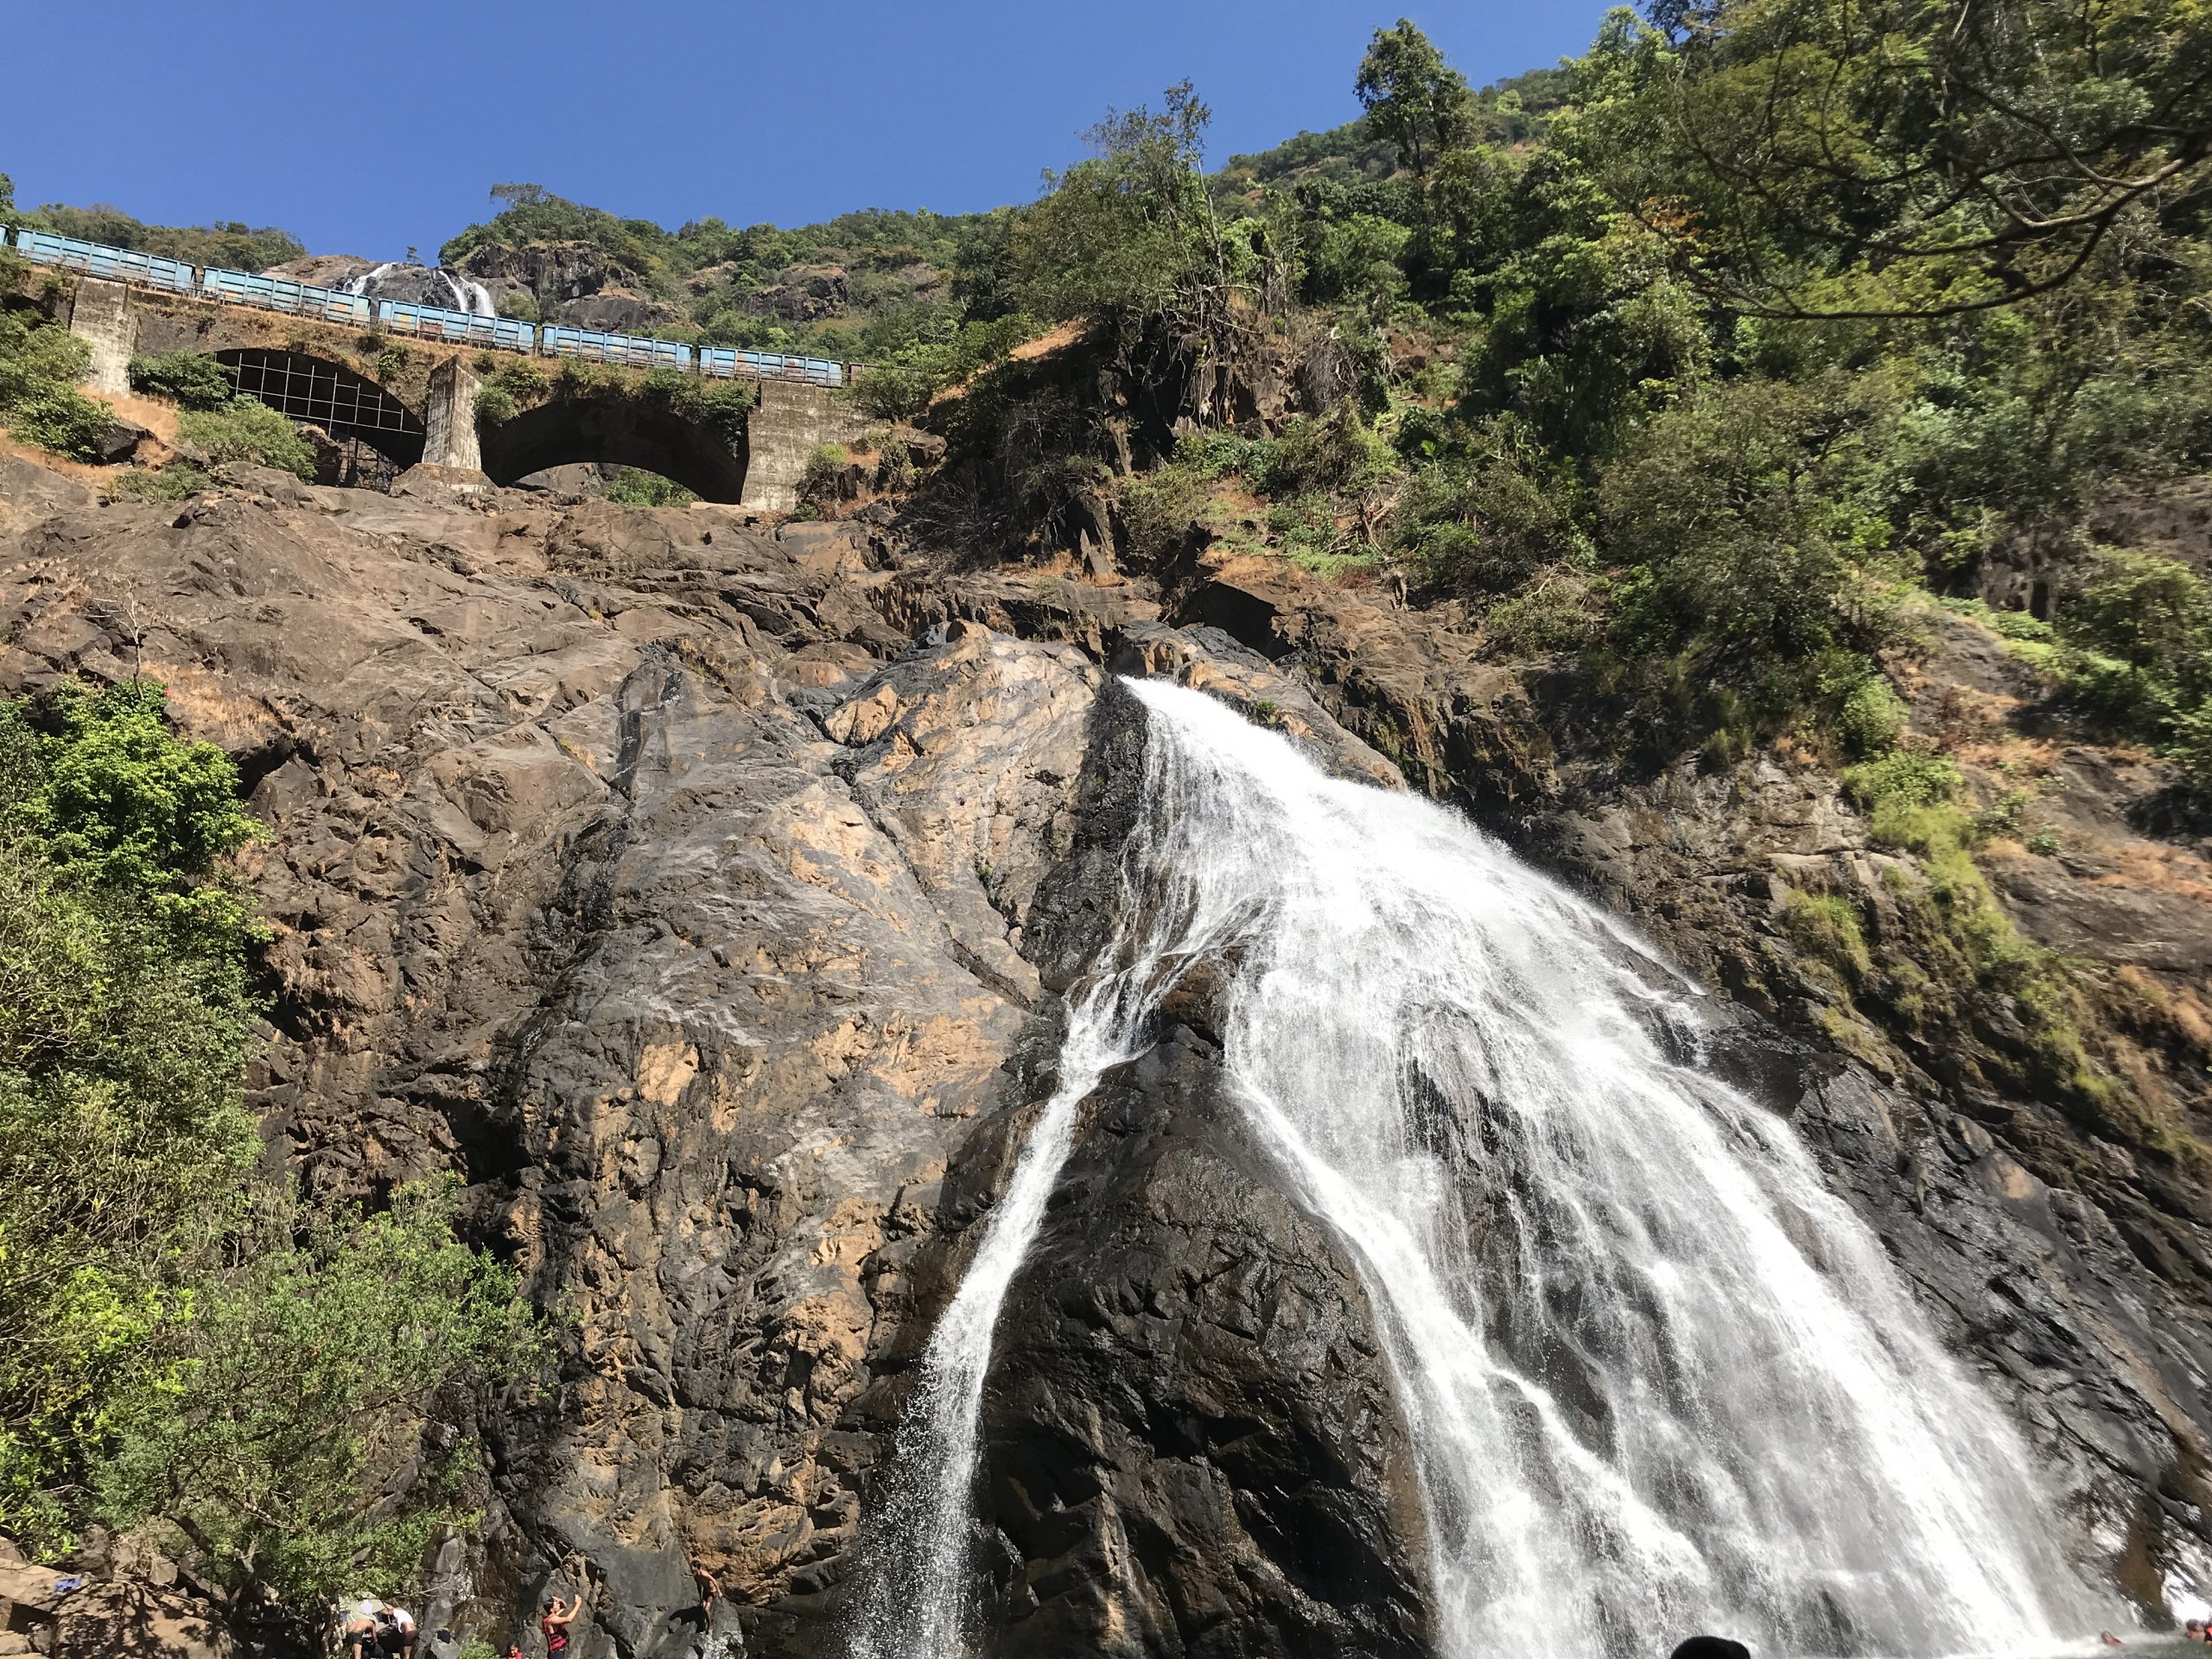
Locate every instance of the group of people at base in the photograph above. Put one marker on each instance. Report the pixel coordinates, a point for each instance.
(375, 1629)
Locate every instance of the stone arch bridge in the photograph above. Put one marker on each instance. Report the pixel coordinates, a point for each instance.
(413, 401)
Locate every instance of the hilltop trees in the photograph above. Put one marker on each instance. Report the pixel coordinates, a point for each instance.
(1414, 98)
(1880, 158)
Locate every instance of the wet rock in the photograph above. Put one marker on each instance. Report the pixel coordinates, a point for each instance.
(1191, 1442)
(705, 896)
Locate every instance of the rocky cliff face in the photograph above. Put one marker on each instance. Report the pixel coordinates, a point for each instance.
(705, 895)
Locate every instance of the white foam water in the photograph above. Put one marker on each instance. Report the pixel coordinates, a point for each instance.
(1658, 1377)
(463, 294)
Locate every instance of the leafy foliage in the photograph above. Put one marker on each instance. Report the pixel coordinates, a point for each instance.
(247, 429)
(294, 1398)
(633, 487)
(227, 244)
(40, 366)
(178, 1345)
(1901, 157)
(187, 378)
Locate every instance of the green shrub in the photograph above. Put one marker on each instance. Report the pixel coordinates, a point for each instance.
(60, 419)
(635, 488)
(495, 405)
(264, 1448)
(818, 479)
(186, 379)
(1336, 452)
(245, 430)
(1902, 778)
(1871, 718)
(518, 379)
(723, 406)
(174, 482)
(1554, 612)
(183, 1347)
(1825, 927)
(1487, 526)
(40, 367)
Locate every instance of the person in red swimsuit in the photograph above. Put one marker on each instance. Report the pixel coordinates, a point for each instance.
(555, 1625)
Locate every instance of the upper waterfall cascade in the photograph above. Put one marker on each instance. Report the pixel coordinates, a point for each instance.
(1658, 1377)
(419, 283)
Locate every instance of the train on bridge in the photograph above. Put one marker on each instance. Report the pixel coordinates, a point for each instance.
(420, 321)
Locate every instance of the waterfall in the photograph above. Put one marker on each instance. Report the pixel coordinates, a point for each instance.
(465, 294)
(470, 297)
(365, 282)
(1658, 1377)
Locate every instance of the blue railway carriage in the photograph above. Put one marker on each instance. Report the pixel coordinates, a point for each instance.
(275, 294)
(726, 364)
(455, 327)
(632, 350)
(116, 265)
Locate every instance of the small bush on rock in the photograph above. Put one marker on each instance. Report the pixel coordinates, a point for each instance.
(184, 378)
(495, 405)
(40, 366)
(246, 430)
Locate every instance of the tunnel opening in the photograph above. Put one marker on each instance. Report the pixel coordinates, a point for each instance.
(616, 433)
(353, 410)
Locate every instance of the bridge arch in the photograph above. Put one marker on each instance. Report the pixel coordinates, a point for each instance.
(329, 395)
(623, 430)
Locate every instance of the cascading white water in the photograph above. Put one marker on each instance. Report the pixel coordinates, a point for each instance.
(464, 294)
(1658, 1378)
(470, 297)
(362, 283)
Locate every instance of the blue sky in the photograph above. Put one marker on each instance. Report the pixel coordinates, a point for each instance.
(366, 127)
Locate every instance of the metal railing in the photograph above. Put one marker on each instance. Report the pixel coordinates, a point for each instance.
(418, 321)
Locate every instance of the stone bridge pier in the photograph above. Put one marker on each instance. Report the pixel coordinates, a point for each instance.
(450, 419)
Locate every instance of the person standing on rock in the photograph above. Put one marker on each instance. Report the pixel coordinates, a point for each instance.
(711, 1591)
(555, 1625)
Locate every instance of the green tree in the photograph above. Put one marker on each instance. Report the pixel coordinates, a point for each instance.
(40, 366)
(1130, 232)
(1743, 524)
(179, 1344)
(1413, 97)
(286, 1439)
(124, 1145)
(189, 378)
(1873, 158)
